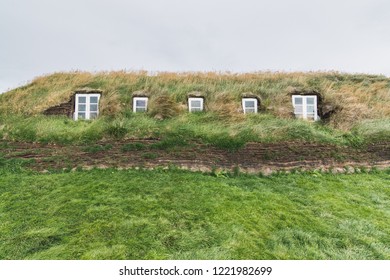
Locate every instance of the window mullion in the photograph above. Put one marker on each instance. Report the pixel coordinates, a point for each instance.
(76, 111)
(87, 109)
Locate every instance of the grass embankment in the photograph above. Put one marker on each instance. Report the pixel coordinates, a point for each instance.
(203, 127)
(170, 214)
(182, 130)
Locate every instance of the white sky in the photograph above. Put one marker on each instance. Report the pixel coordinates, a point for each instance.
(43, 36)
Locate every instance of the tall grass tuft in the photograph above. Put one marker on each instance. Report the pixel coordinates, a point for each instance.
(162, 106)
(227, 107)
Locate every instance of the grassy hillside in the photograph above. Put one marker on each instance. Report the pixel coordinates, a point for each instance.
(170, 214)
(362, 102)
(360, 96)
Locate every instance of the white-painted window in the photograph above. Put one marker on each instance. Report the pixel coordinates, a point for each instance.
(195, 104)
(140, 104)
(305, 107)
(86, 106)
(249, 105)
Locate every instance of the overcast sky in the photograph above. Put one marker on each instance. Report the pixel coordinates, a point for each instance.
(43, 36)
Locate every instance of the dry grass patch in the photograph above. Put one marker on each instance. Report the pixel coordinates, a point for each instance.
(162, 106)
(226, 106)
(110, 103)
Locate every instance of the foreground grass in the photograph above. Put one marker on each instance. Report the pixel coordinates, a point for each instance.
(170, 214)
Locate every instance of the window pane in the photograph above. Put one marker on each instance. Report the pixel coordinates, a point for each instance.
(250, 103)
(93, 115)
(82, 99)
(94, 107)
(195, 109)
(298, 100)
(298, 109)
(81, 115)
(310, 109)
(249, 110)
(81, 108)
(140, 109)
(195, 103)
(93, 99)
(140, 103)
(310, 100)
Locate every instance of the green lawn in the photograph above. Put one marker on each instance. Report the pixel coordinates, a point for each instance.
(171, 214)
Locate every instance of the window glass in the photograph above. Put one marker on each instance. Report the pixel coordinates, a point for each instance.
(82, 107)
(140, 103)
(250, 103)
(93, 99)
(82, 99)
(298, 109)
(81, 115)
(93, 115)
(140, 109)
(195, 103)
(93, 107)
(310, 100)
(310, 109)
(298, 100)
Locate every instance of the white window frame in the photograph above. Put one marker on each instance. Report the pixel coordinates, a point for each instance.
(190, 107)
(87, 105)
(245, 108)
(304, 106)
(135, 99)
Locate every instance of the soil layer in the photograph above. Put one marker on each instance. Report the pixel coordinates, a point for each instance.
(253, 158)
